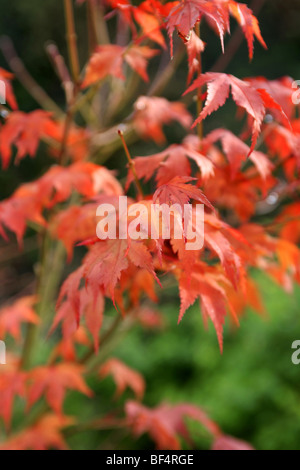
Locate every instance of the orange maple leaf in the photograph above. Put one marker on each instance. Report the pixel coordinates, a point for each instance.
(53, 382)
(12, 316)
(109, 59)
(124, 377)
(151, 113)
(24, 131)
(244, 94)
(46, 434)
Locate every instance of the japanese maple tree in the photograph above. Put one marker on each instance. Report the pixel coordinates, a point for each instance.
(61, 331)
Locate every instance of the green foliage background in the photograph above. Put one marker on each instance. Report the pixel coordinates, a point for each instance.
(253, 390)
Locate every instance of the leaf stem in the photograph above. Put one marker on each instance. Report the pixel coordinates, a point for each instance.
(131, 165)
(91, 23)
(72, 40)
(199, 92)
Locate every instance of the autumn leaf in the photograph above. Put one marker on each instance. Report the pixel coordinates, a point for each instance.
(86, 178)
(7, 78)
(240, 193)
(218, 86)
(172, 162)
(249, 24)
(148, 15)
(284, 142)
(187, 13)
(139, 282)
(66, 348)
(152, 113)
(109, 60)
(12, 317)
(150, 319)
(230, 260)
(12, 385)
(237, 152)
(46, 434)
(289, 223)
(224, 442)
(77, 141)
(281, 91)
(179, 191)
(24, 131)
(53, 382)
(70, 291)
(124, 377)
(244, 95)
(83, 217)
(24, 205)
(213, 298)
(74, 305)
(106, 261)
(166, 423)
(195, 46)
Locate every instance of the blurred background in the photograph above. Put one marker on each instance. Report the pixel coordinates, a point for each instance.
(253, 390)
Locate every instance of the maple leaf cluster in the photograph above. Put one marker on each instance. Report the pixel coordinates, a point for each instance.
(231, 175)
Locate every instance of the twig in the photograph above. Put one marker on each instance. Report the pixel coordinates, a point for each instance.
(131, 165)
(18, 68)
(163, 78)
(72, 40)
(91, 22)
(199, 92)
(61, 70)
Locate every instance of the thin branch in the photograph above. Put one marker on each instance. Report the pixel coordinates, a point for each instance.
(91, 23)
(163, 78)
(131, 165)
(61, 70)
(199, 91)
(72, 40)
(18, 68)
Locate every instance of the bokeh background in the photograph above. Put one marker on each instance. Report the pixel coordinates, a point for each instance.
(253, 390)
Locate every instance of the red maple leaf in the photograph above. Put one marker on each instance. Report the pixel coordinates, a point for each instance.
(24, 131)
(11, 317)
(179, 191)
(53, 382)
(124, 377)
(187, 13)
(224, 442)
(166, 423)
(151, 113)
(25, 204)
(243, 93)
(172, 162)
(12, 384)
(237, 151)
(107, 260)
(109, 59)
(7, 77)
(213, 298)
(74, 304)
(248, 23)
(46, 434)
